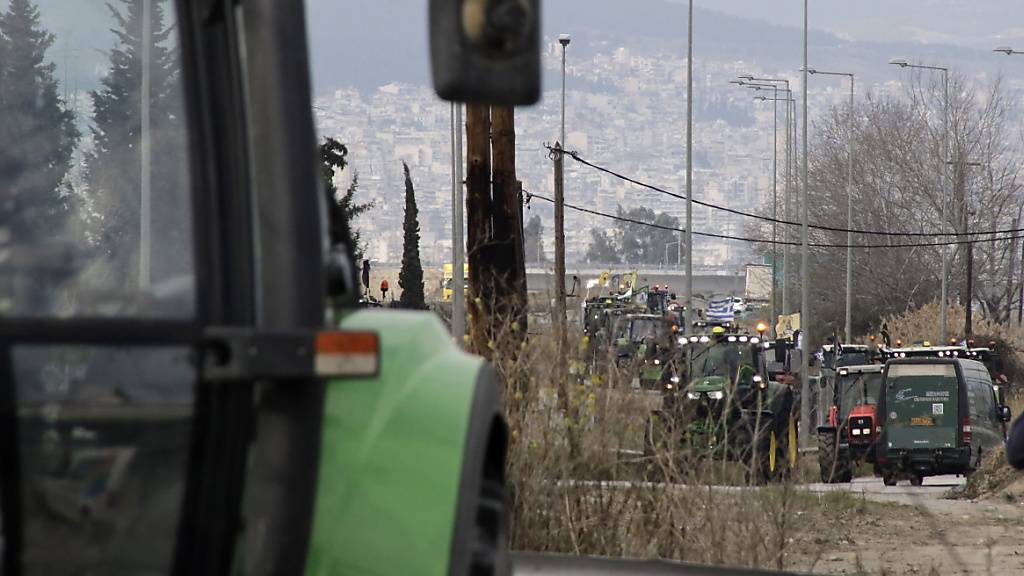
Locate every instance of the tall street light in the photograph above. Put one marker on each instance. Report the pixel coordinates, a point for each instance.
(1020, 301)
(790, 158)
(942, 203)
(849, 206)
(688, 316)
(805, 311)
(563, 39)
(458, 244)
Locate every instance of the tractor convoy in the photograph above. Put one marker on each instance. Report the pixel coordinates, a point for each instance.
(728, 391)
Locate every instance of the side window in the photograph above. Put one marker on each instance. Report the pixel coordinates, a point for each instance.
(95, 222)
(103, 435)
(94, 179)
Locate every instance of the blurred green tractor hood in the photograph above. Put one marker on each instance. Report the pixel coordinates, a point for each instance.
(709, 383)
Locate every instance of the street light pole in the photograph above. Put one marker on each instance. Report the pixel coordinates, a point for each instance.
(750, 81)
(458, 243)
(849, 206)
(805, 312)
(688, 316)
(944, 298)
(560, 303)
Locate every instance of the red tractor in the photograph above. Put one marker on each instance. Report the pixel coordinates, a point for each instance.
(849, 434)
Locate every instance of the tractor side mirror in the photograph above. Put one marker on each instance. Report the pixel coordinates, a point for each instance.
(486, 51)
(1005, 414)
(340, 275)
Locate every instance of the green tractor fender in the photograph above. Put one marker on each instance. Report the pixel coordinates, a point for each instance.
(408, 456)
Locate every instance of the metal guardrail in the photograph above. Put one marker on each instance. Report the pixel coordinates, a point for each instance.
(533, 564)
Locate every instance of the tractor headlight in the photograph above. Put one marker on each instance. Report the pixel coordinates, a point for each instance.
(704, 339)
(657, 362)
(716, 394)
(855, 431)
(674, 379)
(693, 395)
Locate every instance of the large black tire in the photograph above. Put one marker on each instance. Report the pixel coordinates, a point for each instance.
(834, 464)
(916, 480)
(889, 479)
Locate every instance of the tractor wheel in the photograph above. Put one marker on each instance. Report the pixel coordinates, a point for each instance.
(889, 479)
(916, 480)
(833, 464)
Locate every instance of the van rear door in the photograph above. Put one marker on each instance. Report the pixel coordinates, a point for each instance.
(921, 406)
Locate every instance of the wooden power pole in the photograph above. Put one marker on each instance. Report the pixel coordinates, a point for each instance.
(494, 240)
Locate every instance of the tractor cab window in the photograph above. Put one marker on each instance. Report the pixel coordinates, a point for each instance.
(722, 359)
(94, 179)
(95, 225)
(860, 390)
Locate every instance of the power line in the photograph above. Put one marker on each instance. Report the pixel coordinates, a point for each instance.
(530, 195)
(575, 156)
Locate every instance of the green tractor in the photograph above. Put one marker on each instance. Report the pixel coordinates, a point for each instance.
(730, 395)
(179, 397)
(644, 344)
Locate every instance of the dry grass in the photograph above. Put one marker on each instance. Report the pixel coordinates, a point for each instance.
(580, 481)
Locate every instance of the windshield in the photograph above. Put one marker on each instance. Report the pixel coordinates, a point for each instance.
(859, 390)
(721, 359)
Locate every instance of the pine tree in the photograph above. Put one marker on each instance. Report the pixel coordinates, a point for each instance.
(37, 131)
(411, 276)
(344, 210)
(114, 165)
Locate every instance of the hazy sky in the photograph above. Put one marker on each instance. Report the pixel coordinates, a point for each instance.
(974, 23)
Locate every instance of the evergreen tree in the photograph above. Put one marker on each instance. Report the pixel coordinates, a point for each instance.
(37, 131)
(533, 240)
(114, 165)
(602, 249)
(411, 276)
(344, 210)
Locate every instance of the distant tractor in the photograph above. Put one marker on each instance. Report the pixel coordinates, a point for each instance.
(729, 395)
(852, 426)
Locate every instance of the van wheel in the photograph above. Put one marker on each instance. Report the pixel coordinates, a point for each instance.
(916, 480)
(889, 479)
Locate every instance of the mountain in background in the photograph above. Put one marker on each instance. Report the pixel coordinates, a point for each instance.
(369, 43)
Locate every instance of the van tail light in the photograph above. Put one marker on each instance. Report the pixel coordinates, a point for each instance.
(965, 431)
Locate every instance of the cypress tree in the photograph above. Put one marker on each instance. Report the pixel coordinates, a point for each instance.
(114, 165)
(410, 278)
(37, 131)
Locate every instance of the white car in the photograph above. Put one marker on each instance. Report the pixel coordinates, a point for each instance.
(739, 305)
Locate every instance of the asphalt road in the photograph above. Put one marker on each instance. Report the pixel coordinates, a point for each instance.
(933, 486)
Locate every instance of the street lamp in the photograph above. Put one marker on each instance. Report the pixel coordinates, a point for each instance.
(564, 40)
(756, 83)
(849, 207)
(688, 316)
(945, 151)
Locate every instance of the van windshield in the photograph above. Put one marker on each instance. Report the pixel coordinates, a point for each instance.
(921, 404)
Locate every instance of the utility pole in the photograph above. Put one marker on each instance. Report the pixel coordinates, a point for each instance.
(688, 317)
(509, 263)
(560, 328)
(559, 159)
(805, 316)
(961, 181)
(478, 211)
